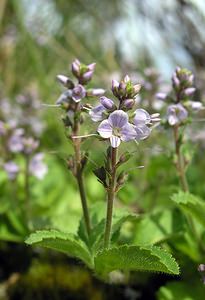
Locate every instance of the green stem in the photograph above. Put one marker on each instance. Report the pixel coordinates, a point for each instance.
(110, 198)
(78, 172)
(180, 161)
(27, 188)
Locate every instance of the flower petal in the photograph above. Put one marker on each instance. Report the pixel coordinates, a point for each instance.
(142, 132)
(105, 129)
(142, 117)
(128, 133)
(96, 113)
(118, 118)
(115, 141)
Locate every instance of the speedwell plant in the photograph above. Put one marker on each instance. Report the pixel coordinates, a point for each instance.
(116, 121)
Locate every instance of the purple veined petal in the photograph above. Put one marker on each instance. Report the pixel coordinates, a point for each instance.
(142, 132)
(142, 117)
(106, 102)
(118, 118)
(128, 133)
(105, 129)
(96, 113)
(115, 141)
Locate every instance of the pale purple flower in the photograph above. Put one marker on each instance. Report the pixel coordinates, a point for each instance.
(107, 103)
(37, 167)
(117, 128)
(12, 169)
(15, 142)
(97, 112)
(176, 113)
(64, 97)
(30, 145)
(142, 117)
(78, 93)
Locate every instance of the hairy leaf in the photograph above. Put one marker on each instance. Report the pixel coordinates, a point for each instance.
(135, 258)
(63, 242)
(192, 205)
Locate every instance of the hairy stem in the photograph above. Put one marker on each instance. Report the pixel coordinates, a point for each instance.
(78, 172)
(180, 161)
(110, 198)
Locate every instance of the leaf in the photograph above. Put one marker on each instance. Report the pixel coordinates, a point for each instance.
(158, 227)
(192, 205)
(63, 242)
(135, 258)
(96, 238)
(182, 291)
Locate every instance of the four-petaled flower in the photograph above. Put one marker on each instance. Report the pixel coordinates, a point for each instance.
(117, 128)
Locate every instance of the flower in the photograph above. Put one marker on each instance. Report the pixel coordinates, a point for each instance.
(176, 113)
(37, 167)
(141, 120)
(117, 128)
(30, 145)
(78, 93)
(12, 169)
(15, 143)
(96, 113)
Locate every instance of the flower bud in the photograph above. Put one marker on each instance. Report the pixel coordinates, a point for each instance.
(75, 67)
(136, 89)
(95, 92)
(126, 79)
(107, 103)
(66, 81)
(91, 67)
(129, 103)
(189, 91)
(87, 76)
(115, 86)
(161, 96)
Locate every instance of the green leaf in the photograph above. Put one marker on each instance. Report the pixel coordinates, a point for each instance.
(192, 205)
(135, 258)
(63, 242)
(158, 227)
(96, 238)
(182, 291)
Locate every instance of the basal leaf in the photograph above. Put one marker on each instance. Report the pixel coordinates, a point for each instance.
(63, 242)
(135, 258)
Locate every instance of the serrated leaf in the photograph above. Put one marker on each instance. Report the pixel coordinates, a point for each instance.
(63, 242)
(191, 204)
(135, 258)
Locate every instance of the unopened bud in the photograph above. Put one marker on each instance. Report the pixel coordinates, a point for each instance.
(129, 103)
(189, 91)
(136, 88)
(107, 103)
(66, 81)
(75, 67)
(86, 77)
(95, 92)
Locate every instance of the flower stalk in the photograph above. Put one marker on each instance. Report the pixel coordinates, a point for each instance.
(111, 190)
(180, 164)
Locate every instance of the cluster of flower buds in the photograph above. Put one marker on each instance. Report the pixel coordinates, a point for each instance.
(117, 124)
(74, 93)
(181, 103)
